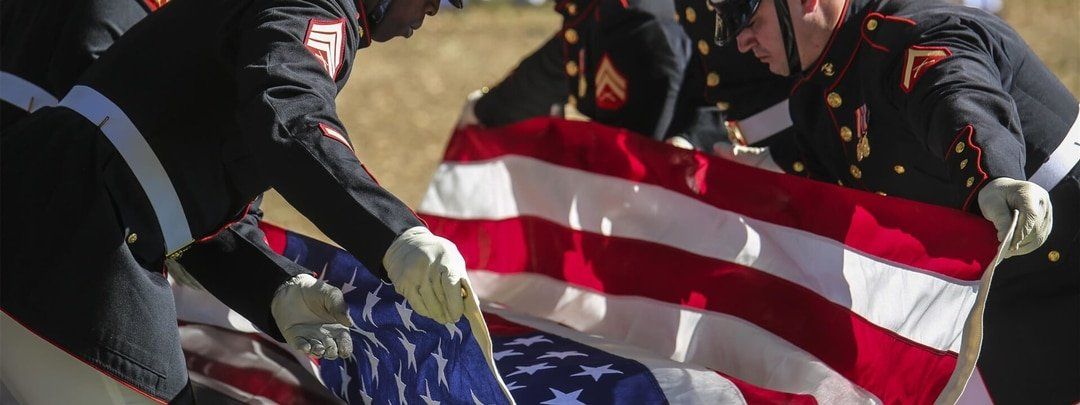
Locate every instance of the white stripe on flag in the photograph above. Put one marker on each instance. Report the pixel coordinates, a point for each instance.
(926, 308)
(681, 383)
(717, 341)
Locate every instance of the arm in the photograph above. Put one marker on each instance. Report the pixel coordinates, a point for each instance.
(289, 121)
(87, 34)
(528, 91)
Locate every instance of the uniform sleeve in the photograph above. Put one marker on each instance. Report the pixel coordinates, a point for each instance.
(87, 35)
(664, 55)
(528, 91)
(950, 91)
(238, 267)
(287, 115)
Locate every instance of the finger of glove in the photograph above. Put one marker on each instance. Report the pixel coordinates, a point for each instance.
(336, 307)
(1037, 235)
(455, 303)
(436, 308)
(344, 342)
(436, 282)
(330, 344)
(301, 343)
(417, 302)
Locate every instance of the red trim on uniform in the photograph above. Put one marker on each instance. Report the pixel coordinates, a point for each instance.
(364, 22)
(828, 46)
(107, 373)
(968, 135)
(243, 214)
(836, 123)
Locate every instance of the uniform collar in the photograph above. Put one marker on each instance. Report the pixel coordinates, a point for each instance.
(841, 45)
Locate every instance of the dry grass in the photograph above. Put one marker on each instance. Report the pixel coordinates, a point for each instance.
(404, 96)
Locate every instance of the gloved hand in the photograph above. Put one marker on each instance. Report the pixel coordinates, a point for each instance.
(429, 272)
(468, 113)
(679, 142)
(758, 157)
(1001, 196)
(313, 317)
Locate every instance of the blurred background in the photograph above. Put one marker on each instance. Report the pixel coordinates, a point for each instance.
(404, 96)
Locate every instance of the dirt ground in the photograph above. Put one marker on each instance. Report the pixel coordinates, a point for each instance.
(404, 96)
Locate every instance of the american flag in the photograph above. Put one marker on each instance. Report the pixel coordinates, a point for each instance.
(613, 269)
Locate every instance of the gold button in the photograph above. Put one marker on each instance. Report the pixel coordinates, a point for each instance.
(963, 164)
(855, 172)
(834, 100)
(712, 80)
(571, 9)
(798, 166)
(132, 238)
(571, 68)
(485, 89)
(959, 147)
(970, 181)
(571, 36)
(703, 47)
(871, 25)
(1054, 256)
(899, 169)
(828, 69)
(882, 193)
(691, 15)
(845, 134)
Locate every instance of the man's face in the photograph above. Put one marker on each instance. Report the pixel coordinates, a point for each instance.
(403, 17)
(762, 37)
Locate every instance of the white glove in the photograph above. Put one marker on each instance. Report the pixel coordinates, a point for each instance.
(748, 155)
(1001, 196)
(468, 113)
(313, 317)
(680, 142)
(429, 272)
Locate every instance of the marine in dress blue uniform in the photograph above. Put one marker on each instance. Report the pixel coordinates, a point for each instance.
(47, 44)
(163, 143)
(934, 102)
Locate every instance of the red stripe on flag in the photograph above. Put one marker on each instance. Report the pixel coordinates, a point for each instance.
(758, 395)
(889, 366)
(905, 232)
(275, 237)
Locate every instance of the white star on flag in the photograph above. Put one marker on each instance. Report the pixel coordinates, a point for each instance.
(410, 349)
(596, 372)
(406, 316)
(427, 397)
(400, 386)
(453, 329)
(563, 398)
(441, 363)
(513, 386)
(370, 336)
(374, 362)
(348, 287)
(529, 341)
(363, 394)
(345, 379)
(505, 353)
(562, 355)
(369, 305)
(530, 370)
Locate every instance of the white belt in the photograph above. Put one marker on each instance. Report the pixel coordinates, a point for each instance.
(766, 123)
(21, 93)
(1061, 160)
(139, 157)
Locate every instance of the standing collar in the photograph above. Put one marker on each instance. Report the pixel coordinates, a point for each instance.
(361, 18)
(842, 43)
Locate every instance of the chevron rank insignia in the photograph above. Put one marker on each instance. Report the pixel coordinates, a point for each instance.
(611, 86)
(325, 39)
(919, 59)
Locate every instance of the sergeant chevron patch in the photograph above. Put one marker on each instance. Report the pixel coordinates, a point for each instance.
(611, 86)
(919, 59)
(325, 39)
(334, 134)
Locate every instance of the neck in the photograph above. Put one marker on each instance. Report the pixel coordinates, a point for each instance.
(820, 27)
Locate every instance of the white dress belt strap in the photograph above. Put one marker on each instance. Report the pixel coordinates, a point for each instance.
(1061, 160)
(133, 147)
(21, 93)
(766, 123)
